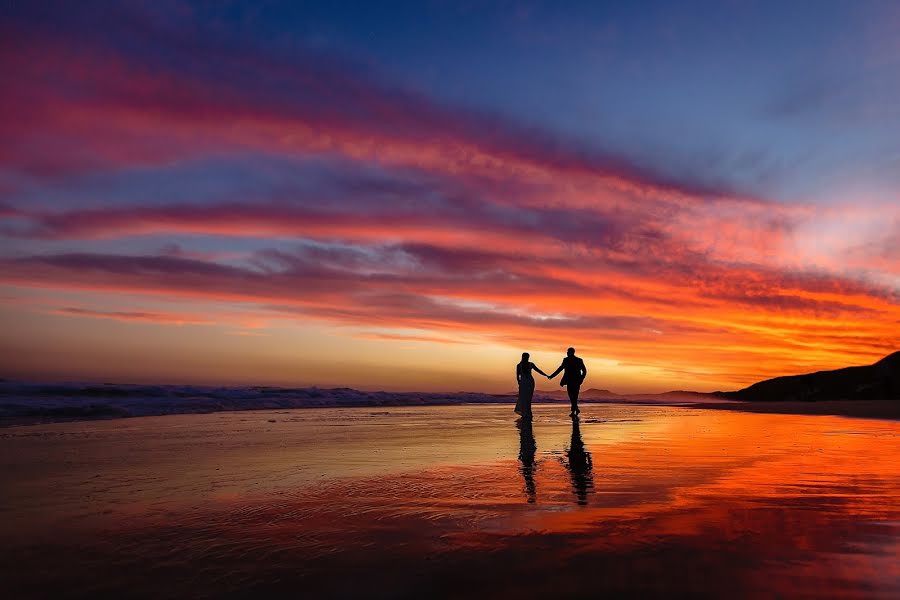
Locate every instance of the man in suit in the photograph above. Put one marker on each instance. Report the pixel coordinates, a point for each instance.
(574, 374)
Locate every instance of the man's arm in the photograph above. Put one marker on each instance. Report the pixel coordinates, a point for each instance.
(583, 371)
(556, 372)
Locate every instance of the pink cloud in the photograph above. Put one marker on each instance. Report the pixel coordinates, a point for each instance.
(535, 240)
(145, 317)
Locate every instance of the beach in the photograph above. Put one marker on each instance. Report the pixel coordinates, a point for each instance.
(453, 501)
(864, 409)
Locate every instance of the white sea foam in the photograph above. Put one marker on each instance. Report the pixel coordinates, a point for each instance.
(22, 402)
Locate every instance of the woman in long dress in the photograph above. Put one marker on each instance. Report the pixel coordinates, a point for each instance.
(526, 385)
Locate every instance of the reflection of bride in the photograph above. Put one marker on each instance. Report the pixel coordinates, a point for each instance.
(526, 385)
(527, 450)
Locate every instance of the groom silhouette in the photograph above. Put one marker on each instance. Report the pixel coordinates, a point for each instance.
(574, 374)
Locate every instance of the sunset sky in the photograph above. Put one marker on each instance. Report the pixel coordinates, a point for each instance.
(406, 196)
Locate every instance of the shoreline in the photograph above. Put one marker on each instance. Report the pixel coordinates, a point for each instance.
(113, 412)
(862, 409)
(865, 409)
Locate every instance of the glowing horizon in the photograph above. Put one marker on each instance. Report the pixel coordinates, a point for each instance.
(190, 204)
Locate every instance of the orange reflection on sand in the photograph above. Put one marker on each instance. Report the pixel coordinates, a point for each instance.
(634, 499)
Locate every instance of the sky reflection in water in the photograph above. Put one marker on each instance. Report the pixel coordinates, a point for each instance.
(651, 500)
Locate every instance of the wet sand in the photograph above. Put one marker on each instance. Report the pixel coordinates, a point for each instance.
(453, 501)
(866, 409)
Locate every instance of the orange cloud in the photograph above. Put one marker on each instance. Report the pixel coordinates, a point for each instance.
(516, 237)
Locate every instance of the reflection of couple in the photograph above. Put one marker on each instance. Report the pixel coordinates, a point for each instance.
(577, 461)
(574, 373)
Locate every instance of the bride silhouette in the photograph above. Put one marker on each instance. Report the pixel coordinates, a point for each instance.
(526, 385)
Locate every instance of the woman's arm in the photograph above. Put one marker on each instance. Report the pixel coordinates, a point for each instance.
(519, 373)
(535, 367)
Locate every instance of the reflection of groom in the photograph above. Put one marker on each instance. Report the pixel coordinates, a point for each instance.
(574, 374)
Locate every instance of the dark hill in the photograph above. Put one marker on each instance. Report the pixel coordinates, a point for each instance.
(880, 381)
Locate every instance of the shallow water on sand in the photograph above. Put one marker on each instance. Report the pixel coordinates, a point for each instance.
(453, 501)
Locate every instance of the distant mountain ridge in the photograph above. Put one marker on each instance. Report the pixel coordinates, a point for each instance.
(878, 381)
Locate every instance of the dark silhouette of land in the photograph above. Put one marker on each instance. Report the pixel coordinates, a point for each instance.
(870, 391)
(879, 381)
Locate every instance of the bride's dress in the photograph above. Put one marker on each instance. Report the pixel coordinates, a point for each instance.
(526, 390)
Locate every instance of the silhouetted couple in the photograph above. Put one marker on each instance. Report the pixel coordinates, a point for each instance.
(574, 373)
